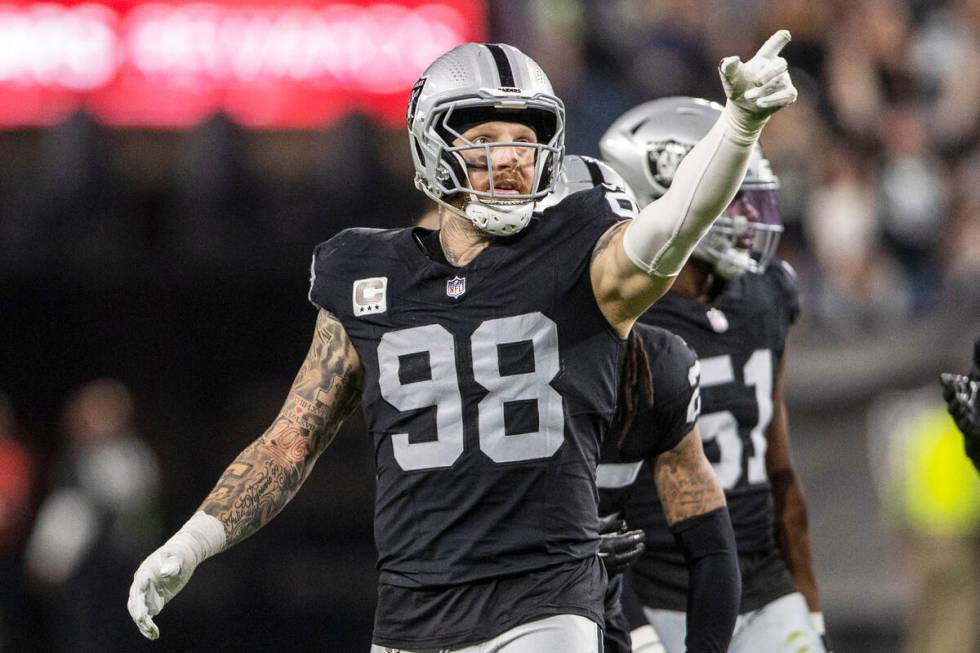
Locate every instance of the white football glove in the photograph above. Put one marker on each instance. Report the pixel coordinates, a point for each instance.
(760, 86)
(165, 571)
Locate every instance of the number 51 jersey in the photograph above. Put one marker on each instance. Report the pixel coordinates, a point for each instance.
(487, 389)
(739, 338)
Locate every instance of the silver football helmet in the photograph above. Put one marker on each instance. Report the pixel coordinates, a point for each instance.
(476, 83)
(646, 144)
(580, 173)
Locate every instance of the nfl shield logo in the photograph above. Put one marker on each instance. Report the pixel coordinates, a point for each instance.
(456, 286)
(718, 320)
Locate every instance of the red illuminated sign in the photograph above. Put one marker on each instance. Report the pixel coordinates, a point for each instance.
(266, 63)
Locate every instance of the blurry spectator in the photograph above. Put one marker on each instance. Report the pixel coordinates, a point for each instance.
(809, 23)
(931, 491)
(98, 521)
(670, 57)
(16, 486)
(946, 53)
(794, 141)
(842, 227)
(868, 67)
(585, 73)
(913, 202)
(962, 238)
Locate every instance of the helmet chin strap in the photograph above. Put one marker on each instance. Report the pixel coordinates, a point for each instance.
(499, 218)
(496, 219)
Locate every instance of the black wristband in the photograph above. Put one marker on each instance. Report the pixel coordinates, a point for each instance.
(704, 535)
(715, 585)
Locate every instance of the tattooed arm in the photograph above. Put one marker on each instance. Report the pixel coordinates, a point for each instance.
(263, 478)
(698, 517)
(268, 473)
(686, 482)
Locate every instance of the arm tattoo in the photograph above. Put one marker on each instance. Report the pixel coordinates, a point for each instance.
(686, 482)
(268, 473)
(606, 239)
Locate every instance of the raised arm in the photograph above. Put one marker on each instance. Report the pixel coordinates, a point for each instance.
(698, 518)
(264, 477)
(635, 263)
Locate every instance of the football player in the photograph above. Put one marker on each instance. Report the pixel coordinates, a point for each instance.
(734, 303)
(485, 356)
(658, 364)
(961, 394)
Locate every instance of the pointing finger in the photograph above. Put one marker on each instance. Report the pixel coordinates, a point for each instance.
(776, 42)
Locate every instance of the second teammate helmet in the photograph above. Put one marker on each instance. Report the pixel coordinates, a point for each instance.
(470, 84)
(647, 143)
(580, 173)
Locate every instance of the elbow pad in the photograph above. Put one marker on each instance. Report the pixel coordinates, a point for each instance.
(660, 240)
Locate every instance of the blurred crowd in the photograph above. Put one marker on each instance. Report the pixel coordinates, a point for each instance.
(879, 159)
(177, 262)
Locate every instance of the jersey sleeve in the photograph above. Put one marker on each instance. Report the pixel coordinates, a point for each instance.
(326, 273)
(789, 284)
(676, 396)
(571, 228)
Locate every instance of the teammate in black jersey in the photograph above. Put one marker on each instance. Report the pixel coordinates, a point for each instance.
(659, 404)
(486, 358)
(733, 303)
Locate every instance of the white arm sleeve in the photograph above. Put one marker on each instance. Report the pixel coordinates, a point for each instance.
(665, 233)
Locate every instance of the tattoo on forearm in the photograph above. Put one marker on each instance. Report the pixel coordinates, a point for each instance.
(268, 473)
(685, 481)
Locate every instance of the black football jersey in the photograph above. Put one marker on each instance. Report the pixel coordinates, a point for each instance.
(487, 390)
(739, 339)
(654, 430)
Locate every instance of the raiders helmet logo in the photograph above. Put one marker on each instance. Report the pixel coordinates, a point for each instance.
(663, 159)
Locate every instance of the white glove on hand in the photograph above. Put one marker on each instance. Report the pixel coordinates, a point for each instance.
(165, 572)
(759, 87)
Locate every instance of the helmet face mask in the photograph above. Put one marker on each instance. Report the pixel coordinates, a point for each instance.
(483, 158)
(745, 237)
(464, 88)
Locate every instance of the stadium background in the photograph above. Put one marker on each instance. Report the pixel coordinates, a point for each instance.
(156, 228)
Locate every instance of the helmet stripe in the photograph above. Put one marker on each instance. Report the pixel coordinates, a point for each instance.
(504, 70)
(595, 172)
